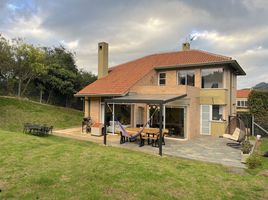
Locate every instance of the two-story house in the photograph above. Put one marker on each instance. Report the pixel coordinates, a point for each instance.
(205, 81)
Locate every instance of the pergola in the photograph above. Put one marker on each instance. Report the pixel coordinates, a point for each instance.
(156, 99)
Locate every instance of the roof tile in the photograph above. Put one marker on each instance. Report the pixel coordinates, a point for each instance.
(244, 93)
(122, 77)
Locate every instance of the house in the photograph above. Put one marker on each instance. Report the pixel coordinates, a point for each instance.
(242, 100)
(198, 88)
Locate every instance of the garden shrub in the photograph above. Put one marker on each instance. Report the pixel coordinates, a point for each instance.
(253, 161)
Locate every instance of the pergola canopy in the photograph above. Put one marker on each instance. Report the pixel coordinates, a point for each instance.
(159, 99)
(146, 98)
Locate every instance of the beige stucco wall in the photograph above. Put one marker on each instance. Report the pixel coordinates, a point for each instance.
(86, 107)
(218, 128)
(230, 84)
(171, 78)
(193, 113)
(102, 59)
(95, 109)
(197, 82)
(213, 96)
(234, 90)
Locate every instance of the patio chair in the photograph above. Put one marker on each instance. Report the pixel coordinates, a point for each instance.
(235, 131)
(150, 139)
(86, 124)
(237, 136)
(26, 128)
(155, 143)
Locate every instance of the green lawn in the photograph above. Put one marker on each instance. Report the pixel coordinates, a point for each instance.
(264, 160)
(14, 113)
(264, 148)
(58, 168)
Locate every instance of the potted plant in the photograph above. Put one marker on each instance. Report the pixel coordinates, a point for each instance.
(245, 150)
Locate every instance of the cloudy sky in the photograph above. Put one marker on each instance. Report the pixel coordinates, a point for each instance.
(134, 28)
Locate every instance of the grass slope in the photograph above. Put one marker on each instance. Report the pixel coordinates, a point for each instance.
(15, 112)
(59, 168)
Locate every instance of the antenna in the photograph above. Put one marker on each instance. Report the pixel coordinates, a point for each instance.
(190, 38)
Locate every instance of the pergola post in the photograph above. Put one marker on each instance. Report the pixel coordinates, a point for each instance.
(113, 119)
(105, 125)
(160, 128)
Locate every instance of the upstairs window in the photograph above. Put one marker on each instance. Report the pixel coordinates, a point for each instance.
(186, 77)
(212, 78)
(162, 78)
(242, 103)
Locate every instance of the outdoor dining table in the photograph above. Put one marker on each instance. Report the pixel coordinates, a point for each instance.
(152, 133)
(148, 131)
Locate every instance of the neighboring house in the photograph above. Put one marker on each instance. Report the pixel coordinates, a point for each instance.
(242, 100)
(206, 83)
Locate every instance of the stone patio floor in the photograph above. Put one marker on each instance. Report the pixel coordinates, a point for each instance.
(203, 148)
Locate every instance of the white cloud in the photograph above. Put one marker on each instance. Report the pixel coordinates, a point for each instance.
(28, 28)
(12, 7)
(71, 45)
(136, 28)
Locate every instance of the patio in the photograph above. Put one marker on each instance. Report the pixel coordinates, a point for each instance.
(203, 148)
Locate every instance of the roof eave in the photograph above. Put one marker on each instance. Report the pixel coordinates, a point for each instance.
(233, 63)
(99, 95)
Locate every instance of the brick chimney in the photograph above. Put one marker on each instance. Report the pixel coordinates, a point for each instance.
(102, 59)
(185, 46)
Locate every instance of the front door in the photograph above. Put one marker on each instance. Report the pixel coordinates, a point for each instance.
(205, 119)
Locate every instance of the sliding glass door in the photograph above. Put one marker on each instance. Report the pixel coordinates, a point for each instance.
(175, 121)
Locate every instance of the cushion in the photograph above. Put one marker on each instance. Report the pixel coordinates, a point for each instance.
(228, 136)
(236, 134)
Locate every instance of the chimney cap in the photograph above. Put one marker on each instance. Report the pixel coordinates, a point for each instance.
(186, 46)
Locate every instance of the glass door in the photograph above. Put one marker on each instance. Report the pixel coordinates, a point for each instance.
(175, 121)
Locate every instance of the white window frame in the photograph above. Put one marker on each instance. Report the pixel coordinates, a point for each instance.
(201, 119)
(186, 79)
(162, 78)
(221, 111)
(223, 78)
(242, 103)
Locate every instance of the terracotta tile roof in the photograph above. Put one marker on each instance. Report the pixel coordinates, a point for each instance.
(122, 77)
(243, 93)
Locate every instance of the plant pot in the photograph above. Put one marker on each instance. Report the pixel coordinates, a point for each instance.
(258, 137)
(244, 157)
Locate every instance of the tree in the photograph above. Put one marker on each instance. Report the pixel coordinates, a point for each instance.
(6, 63)
(48, 72)
(84, 78)
(62, 81)
(258, 106)
(62, 57)
(29, 64)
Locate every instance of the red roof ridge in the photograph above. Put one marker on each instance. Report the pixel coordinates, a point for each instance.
(169, 52)
(213, 54)
(243, 93)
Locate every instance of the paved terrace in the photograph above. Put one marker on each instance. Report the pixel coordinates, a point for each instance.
(203, 148)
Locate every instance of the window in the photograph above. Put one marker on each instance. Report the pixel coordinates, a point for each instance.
(212, 78)
(162, 78)
(217, 112)
(186, 77)
(242, 103)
